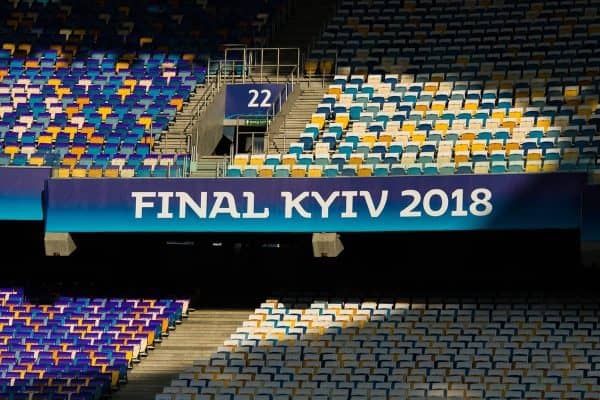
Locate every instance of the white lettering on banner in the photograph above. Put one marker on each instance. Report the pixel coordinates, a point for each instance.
(325, 204)
(185, 201)
(254, 95)
(225, 203)
(434, 203)
(480, 206)
(349, 195)
(375, 212)
(218, 208)
(251, 213)
(292, 203)
(140, 204)
(165, 213)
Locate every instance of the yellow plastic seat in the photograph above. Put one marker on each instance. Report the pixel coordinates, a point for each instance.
(326, 66)
(124, 92)
(343, 118)
(70, 162)
(461, 157)
(442, 126)
(310, 67)
(288, 159)
(421, 107)
(356, 159)
(240, 160)
(461, 147)
(71, 110)
(335, 90)
(318, 119)
(64, 172)
(512, 146)
(533, 166)
(61, 91)
(88, 130)
(121, 66)
(418, 136)
(266, 171)
(470, 136)
(54, 82)
(298, 171)
(95, 172)
(36, 161)
(11, 150)
(148, 140)
(543, 123)
(177, 102)
(79, 173)
(32, 64)
(386, 138)
(105, 110)
(315, 171)
(71, 130)
(82, 101)
(365, 170)
(111, 173)
(146, 121)
(44, 139)
(53, 130)
(78, 151)
(145, 40)
(9, 47)
(478, 146)
(257, 159)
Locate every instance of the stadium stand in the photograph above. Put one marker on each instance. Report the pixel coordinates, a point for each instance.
(76, 348)
(457, 87)
(493, 347)
(90, 90)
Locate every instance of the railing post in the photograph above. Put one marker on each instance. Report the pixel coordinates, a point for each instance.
(262, 62)
(278, 54)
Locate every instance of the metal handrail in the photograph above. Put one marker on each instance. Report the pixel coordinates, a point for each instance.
(247, 59)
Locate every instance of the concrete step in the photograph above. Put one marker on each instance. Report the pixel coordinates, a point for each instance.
(174, 140)
(196, 338)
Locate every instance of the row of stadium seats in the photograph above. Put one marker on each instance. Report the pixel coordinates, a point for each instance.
(451, 87)
(447, 40)
(472, 348)
(76, 348)
(98, 159)
(64, 92)
(80, 111)
(398, 169)
(190, 29)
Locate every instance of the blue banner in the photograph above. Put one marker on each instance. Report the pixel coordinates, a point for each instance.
(253, 99)
(21, 193)
(424, 203)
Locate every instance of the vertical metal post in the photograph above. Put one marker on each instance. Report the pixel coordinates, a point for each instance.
(262, 61)
(244, 67)
(278, 51)
(298, 72)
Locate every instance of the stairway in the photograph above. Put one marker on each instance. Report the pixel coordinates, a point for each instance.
(295, 120)
(174, 141)
(210, 167)
(195, 339)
